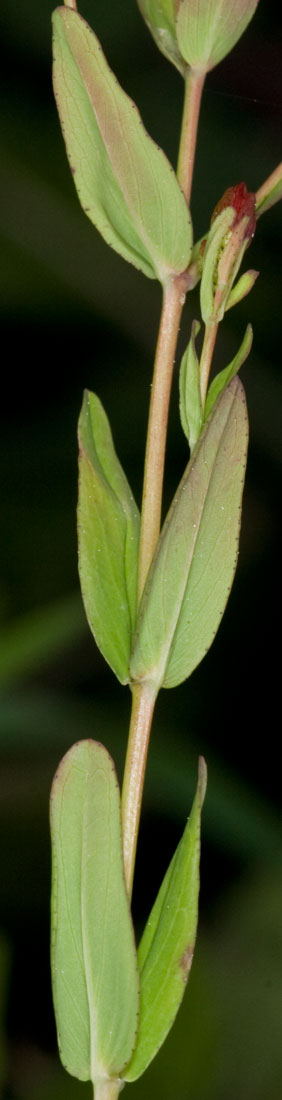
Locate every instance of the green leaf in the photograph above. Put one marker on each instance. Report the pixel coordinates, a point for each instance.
(208, 29)
(195, 560)
(160, 16)
(108, 535)
(166, 949)
(216, 240)
(94, 964)
(224, 377)
(242, 288)
(124, 181)
(191, 410)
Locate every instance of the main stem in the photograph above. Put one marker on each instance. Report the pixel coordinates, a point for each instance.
(143, 695)
(143, 702)
(173, 301)
(107, 1090)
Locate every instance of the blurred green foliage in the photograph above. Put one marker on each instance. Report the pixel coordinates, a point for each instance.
(74, 315)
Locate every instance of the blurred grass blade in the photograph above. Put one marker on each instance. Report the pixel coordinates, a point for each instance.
(166, 949)
(108, 536)
(31, 640)
(94, 964)
(194, 564)
(124, 181)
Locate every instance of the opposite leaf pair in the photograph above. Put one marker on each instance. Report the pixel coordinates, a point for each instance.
(192, 571)
(113, 1008)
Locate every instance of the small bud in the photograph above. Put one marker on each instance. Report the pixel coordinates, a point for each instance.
(233, 225)
(243, 203)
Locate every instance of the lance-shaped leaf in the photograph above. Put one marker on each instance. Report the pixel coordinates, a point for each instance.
(124, 181)
(208, 29)
(191, 410)
(108, 534)
(195, 560)
(241, 288)
(166, 949)
(222, 379)
(94, 964)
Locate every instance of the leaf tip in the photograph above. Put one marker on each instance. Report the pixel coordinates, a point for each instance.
(202, 780)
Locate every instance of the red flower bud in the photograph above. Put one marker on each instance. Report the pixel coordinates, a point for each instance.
(233, 225)
(244, 206)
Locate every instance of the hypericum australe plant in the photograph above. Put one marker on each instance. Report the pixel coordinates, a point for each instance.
(154, 600)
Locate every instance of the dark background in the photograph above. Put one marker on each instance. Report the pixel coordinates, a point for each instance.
(74, 315)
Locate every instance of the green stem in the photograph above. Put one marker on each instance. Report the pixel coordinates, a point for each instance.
(206, 357)
(143, 696)
(107, 1090)
(267, 187)
(194, 84)
(143, 702)
(173, 301)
